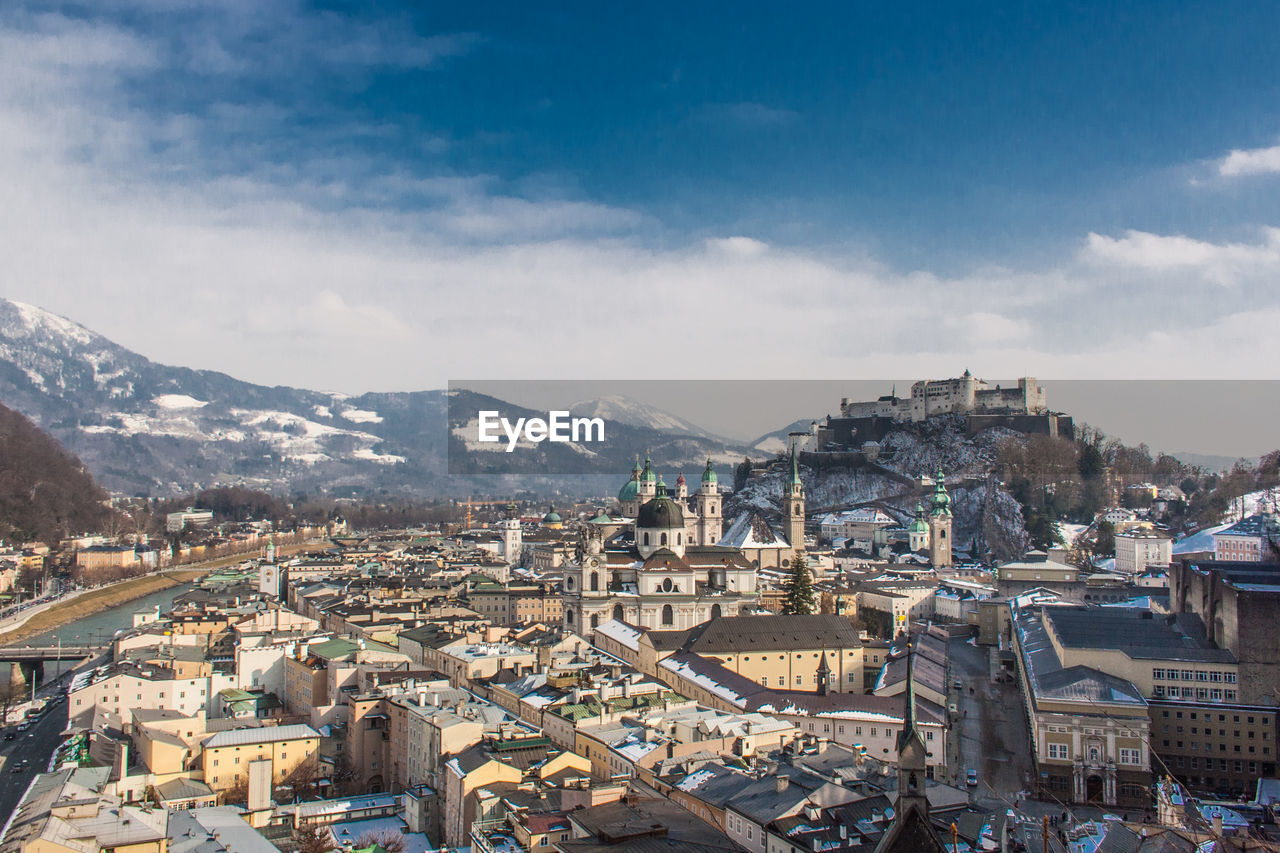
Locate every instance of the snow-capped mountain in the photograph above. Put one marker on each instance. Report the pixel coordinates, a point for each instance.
(625, 410)
(148, 428)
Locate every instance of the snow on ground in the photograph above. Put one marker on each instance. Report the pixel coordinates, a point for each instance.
(361, 416)
(1200, 541)
(178, 401)
(323, 412)
(370, 455)
(1264, 501)
(1071, 532)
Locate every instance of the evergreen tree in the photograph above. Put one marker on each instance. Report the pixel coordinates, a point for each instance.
(800, 599)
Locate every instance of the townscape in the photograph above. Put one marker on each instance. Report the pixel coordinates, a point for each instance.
(641, 672)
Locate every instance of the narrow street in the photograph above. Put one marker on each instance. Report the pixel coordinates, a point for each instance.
(990, 734)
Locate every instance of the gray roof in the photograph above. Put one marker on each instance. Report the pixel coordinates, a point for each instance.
(750, 633)
(261, 734)
(1137, 632)
(1073, 684)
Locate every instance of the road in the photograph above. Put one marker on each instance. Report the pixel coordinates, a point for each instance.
(36, 745)
(992, 728)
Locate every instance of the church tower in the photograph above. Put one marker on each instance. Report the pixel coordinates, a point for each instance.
(913, 755)
(512, 538)
(918, 531)
(710, 525)
(648, 486)
(793, 509)
(940, 523)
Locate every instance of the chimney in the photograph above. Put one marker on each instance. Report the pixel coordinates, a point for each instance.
(1217, 824)
(781, 782)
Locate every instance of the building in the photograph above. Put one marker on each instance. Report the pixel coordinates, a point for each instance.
(660, 579)
(1089, 729)
(818, 653)
(1239, 604)
(701, 515)
(176, 522)
(226, 756)
(963, 395)
(1250, 540)
(1139, 550)
(72, 811)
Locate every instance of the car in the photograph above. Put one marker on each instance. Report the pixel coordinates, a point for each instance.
(9, 735)
(971, 778)
(958, 685)
(954, 709)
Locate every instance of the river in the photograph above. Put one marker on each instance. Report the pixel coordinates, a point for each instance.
(101, 627)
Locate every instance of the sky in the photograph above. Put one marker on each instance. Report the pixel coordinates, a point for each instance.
(384, 196)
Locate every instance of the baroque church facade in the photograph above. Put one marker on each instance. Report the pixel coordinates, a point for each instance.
(664, 570)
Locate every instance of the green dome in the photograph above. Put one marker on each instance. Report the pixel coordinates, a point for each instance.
(941, 500)
(629, 491)
(602, 518)
(709, 474)
(552, 517)
(919, 525)
(647, 475)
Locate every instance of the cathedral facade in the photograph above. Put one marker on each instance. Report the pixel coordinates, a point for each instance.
(663, 571)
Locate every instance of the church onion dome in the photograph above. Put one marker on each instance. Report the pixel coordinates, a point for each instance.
(552, 517)
(919, 525)
(680, 479)
(941, 500)
(646, 474)
(629, 491)
(661, 513)
(709, 473)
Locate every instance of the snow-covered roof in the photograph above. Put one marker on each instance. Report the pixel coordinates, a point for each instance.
(621, 633)
(752, 530)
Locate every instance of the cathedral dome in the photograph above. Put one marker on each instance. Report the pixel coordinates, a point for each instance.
(552, 517)
(661, 513)
(628, 491)
(709, 475)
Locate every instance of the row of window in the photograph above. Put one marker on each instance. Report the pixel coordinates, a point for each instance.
(1238, 766)
(1208, 717)
(1217, 694)
(1222, 747)
(1062, 751)
(1195, 730)
(1193, 675)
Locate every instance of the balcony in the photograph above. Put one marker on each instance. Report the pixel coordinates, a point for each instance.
(494, 836)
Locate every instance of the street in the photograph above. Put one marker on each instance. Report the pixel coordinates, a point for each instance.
(36, 745)
(992, 728)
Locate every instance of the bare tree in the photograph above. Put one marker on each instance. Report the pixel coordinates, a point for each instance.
(387, 839)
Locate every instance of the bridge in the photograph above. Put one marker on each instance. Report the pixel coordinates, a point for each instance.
(26, 663)
(44, 653)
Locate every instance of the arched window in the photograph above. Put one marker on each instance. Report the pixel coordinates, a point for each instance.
(617, 612)
(664, 539)
(568, 616)
(595, 581)
(668, 616)
(595, 621)
(646, 538)
(568, 583)
(715, 611)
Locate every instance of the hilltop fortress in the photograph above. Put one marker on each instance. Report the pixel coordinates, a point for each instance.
(965, 395)
(1022, 407)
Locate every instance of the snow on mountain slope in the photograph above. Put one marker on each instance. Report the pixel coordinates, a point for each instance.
(635, 413)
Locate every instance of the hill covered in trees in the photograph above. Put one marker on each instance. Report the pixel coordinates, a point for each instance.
(45, 493)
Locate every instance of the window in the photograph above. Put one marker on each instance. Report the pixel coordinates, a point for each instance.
(1057, 750)
(1130, 756)
(668, 616)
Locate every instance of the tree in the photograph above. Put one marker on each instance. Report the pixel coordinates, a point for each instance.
(799, 599)
(309, 839)
(387, 839)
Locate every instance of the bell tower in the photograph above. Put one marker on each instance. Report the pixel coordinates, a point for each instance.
(710, 524)
(793, 506)
(940, 523)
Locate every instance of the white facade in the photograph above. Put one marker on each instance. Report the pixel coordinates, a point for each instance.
(1138, 551)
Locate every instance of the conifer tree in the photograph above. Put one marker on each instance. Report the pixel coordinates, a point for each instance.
(799, 599)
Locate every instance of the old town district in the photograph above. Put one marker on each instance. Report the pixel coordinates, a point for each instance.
(645, 674)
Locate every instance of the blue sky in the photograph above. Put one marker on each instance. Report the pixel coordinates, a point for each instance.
(903, 187)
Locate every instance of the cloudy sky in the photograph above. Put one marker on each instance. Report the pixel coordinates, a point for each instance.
(386, 196)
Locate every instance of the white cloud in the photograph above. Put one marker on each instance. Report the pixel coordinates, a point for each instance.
(1220, 263)
(1252, 161)
(317, 273)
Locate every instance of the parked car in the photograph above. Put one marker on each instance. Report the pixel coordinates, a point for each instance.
(958, 685)
(971, 778)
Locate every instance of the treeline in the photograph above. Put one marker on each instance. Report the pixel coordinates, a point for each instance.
(239, 504)
(1058, 479)
(45, 493)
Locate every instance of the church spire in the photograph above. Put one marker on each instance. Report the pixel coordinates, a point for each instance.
(913, 755)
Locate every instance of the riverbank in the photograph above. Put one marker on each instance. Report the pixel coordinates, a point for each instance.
(97, 600)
